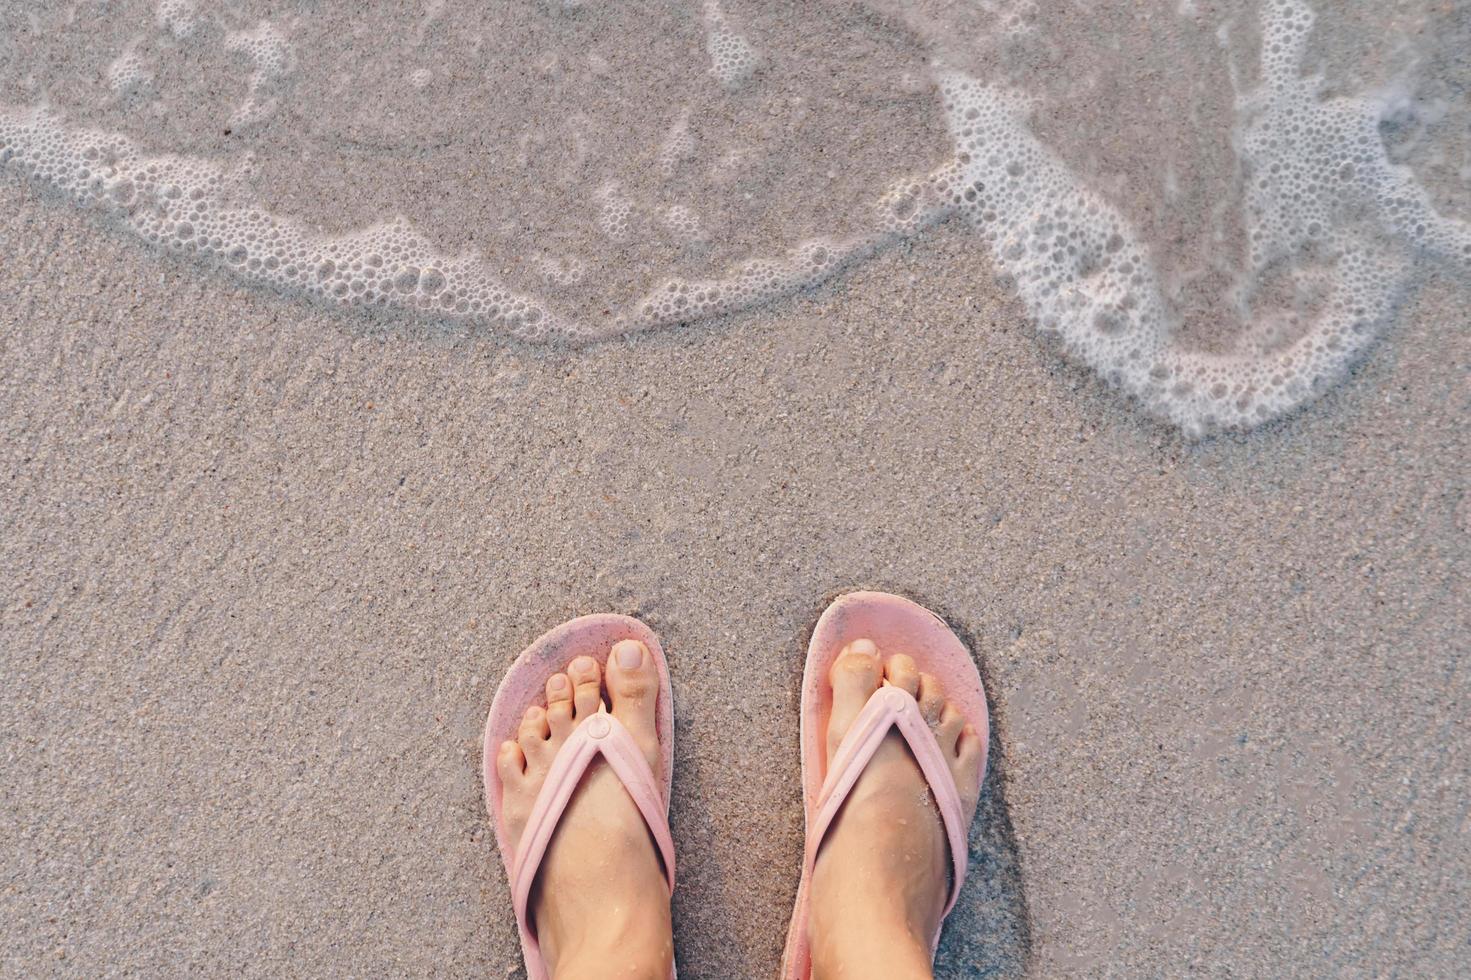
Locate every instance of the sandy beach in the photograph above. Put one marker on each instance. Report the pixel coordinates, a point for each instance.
(267, 564)
(267, 560)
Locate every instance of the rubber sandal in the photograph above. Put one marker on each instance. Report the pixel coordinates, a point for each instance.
(894, 624)
(599, 734)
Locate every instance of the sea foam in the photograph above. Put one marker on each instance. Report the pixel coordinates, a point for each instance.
(1334, 230)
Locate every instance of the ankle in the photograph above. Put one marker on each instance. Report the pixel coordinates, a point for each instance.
(617, 964)
(628, 962)
(622, 943)
(870, 949)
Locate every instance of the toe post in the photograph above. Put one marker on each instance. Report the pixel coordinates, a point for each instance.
(895, 698)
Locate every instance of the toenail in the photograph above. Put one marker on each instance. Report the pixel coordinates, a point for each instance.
(598, 727)
(584, 665)
(630, 654)
(557, 683)
(864, 647)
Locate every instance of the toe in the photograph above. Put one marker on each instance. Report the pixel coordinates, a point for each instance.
(969, 751)
(931, 699)
(559, 688)
(559, 706)
(533, 735)
(947, 732)
(854, 677)
(901, 672)
(510, 763)
(633, 687)
(559, 720)
(587, 686)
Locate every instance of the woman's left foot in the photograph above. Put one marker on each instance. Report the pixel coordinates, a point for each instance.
(600, 903)
(881, 877)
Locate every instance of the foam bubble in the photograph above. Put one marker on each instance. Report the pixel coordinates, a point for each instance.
(614, 213)
(269, 55)
(678, 146)
(564, 270)
(177, 17)
(759, 280)
(733, 60)
(128, 73)
(683, 223)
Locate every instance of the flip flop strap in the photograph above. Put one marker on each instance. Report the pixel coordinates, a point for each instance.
(601, 734)
(893, 707)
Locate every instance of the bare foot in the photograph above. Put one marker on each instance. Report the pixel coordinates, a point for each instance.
(881, 879)
(600, 903)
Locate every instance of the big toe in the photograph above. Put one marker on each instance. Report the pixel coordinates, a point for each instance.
(633, 687)
(854, 677)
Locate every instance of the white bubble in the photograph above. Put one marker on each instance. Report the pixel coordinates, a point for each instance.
(683, 223)
(176, 16)
(614, 212)
(733, 60)
(269, 55)
(678, 146)
(128, 73)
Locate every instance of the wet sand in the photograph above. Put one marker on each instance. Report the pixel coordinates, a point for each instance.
(265, 565)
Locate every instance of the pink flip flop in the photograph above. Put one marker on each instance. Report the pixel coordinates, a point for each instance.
(523, 685)
(897, 625)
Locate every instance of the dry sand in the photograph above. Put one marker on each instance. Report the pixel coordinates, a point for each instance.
(265, 564)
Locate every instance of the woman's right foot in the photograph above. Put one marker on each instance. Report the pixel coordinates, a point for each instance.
(881, 877)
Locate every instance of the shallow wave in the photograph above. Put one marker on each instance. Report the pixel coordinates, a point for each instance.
(635, 166)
